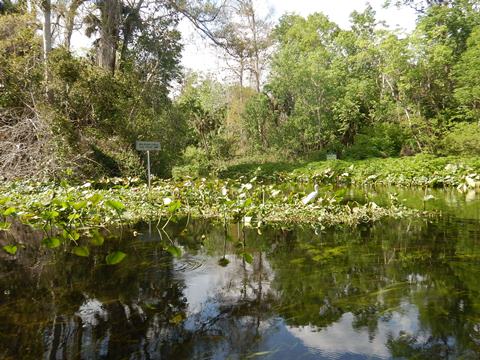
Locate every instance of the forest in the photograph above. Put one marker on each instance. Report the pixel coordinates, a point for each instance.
(301, 87)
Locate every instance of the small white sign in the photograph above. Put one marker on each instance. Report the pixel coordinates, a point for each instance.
(331, 156)
(148, 145)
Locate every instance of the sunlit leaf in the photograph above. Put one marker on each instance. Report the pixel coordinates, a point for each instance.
(51, 242)
(341, 193)
(177, 319)
(81, 251)
(50, 215)
(174, 250)
(4, 200)
(115, 257)
(116, 205)
(97, 238)
(95, 199)
(4, 226)
(9, 211)
(174, 206)
(247, 257)
(72, 217)
(79, 205)
(11, 249)
(74, 235)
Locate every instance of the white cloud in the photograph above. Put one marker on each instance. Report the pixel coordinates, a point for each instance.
(341, 338)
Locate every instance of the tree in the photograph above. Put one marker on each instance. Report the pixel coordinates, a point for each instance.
(246, 39)
(421, 6)
(301, 83)
(467, 83)
(46, 8)
(68, 10)
(204, 104)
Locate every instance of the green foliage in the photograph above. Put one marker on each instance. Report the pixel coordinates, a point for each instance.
(361, 92)
(10, 249)
(463, 139)
(467, 91)
(51, 242)
(115, 258)
(195, 162)
(258, 119)
(81, 251)
(367, 92)
(382, 140)
(20, 60)
(174, 251)
(89, 119)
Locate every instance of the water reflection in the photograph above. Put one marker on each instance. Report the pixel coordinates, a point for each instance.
(450, 201)
(397, 289)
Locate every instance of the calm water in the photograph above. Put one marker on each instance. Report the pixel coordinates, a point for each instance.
(396, 289)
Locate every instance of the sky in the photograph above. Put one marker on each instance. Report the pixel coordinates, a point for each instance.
(201, 57)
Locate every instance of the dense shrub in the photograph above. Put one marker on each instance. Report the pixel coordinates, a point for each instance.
(195, 163)
(463, 139)
(381, 140)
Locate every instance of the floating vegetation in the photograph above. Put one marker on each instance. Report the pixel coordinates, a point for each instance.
(68, 214)
(82, 207)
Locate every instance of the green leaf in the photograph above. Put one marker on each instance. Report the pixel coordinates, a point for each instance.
(341, 193)
(50, 215)
(174, 206)
(97, 238)
(95, 199)
(4, 200)
(174, 250)
(115, 257)
(74, 235)
(81, 251)
(177, 319)
(79, 205)
(4, 226)
(247, 257)
(11, 249)
(51, 242)
(116, 205)
(223, 262)
(9, 211)
(72, 217)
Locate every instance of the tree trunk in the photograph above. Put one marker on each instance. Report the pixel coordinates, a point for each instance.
(46, 6)
(70, 22)
(110, 23)
(256, 55)
(129, 27)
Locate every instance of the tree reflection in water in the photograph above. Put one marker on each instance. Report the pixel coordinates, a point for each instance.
(393, 289)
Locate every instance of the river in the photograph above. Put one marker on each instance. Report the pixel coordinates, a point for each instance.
(394, 289)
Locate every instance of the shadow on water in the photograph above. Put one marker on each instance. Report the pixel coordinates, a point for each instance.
(399, 289)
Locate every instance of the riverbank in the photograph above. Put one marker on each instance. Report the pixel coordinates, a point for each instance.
(420, 170)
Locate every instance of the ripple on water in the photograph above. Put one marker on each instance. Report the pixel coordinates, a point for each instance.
(189, 263)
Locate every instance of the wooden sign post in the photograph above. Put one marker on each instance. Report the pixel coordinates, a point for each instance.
(148, 146)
